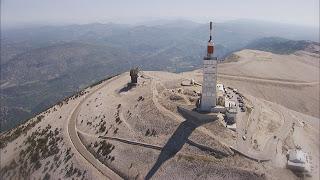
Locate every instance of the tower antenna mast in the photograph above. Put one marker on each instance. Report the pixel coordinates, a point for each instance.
(210, 31)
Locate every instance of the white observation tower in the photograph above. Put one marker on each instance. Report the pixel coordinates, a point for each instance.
(208, 97)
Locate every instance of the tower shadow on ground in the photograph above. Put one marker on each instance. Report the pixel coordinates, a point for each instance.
(128, 87)
(178, 139)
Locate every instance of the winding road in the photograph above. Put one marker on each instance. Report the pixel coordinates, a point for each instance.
(81, 149)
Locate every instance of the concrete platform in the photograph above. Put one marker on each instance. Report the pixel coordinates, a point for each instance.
(191, 112)
(233, 127)
(219, 109)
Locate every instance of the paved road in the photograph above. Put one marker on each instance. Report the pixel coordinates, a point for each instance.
(83, 151)
(266, 80)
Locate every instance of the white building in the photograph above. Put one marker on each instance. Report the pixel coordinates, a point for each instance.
(220, 87)
(298, 161)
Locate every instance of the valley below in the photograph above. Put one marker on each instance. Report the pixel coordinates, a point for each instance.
(41, 66)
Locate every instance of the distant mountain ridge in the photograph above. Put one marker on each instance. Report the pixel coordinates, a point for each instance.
(280, 45)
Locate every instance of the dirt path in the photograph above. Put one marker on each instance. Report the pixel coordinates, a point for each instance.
(155, 147)
(127, 141)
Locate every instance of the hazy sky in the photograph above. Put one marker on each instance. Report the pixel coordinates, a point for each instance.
(17, 12)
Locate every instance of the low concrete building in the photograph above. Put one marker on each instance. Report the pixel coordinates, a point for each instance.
(298, 161)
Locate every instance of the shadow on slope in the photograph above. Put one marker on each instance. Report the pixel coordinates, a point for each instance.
(177, 140)
(127, 87)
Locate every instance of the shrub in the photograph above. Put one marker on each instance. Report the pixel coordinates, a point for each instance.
(46, 177)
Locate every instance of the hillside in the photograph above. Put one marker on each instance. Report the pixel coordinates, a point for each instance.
(301, 69)
(41, 77)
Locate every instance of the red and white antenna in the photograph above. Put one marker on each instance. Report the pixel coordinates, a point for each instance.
(210, 48)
